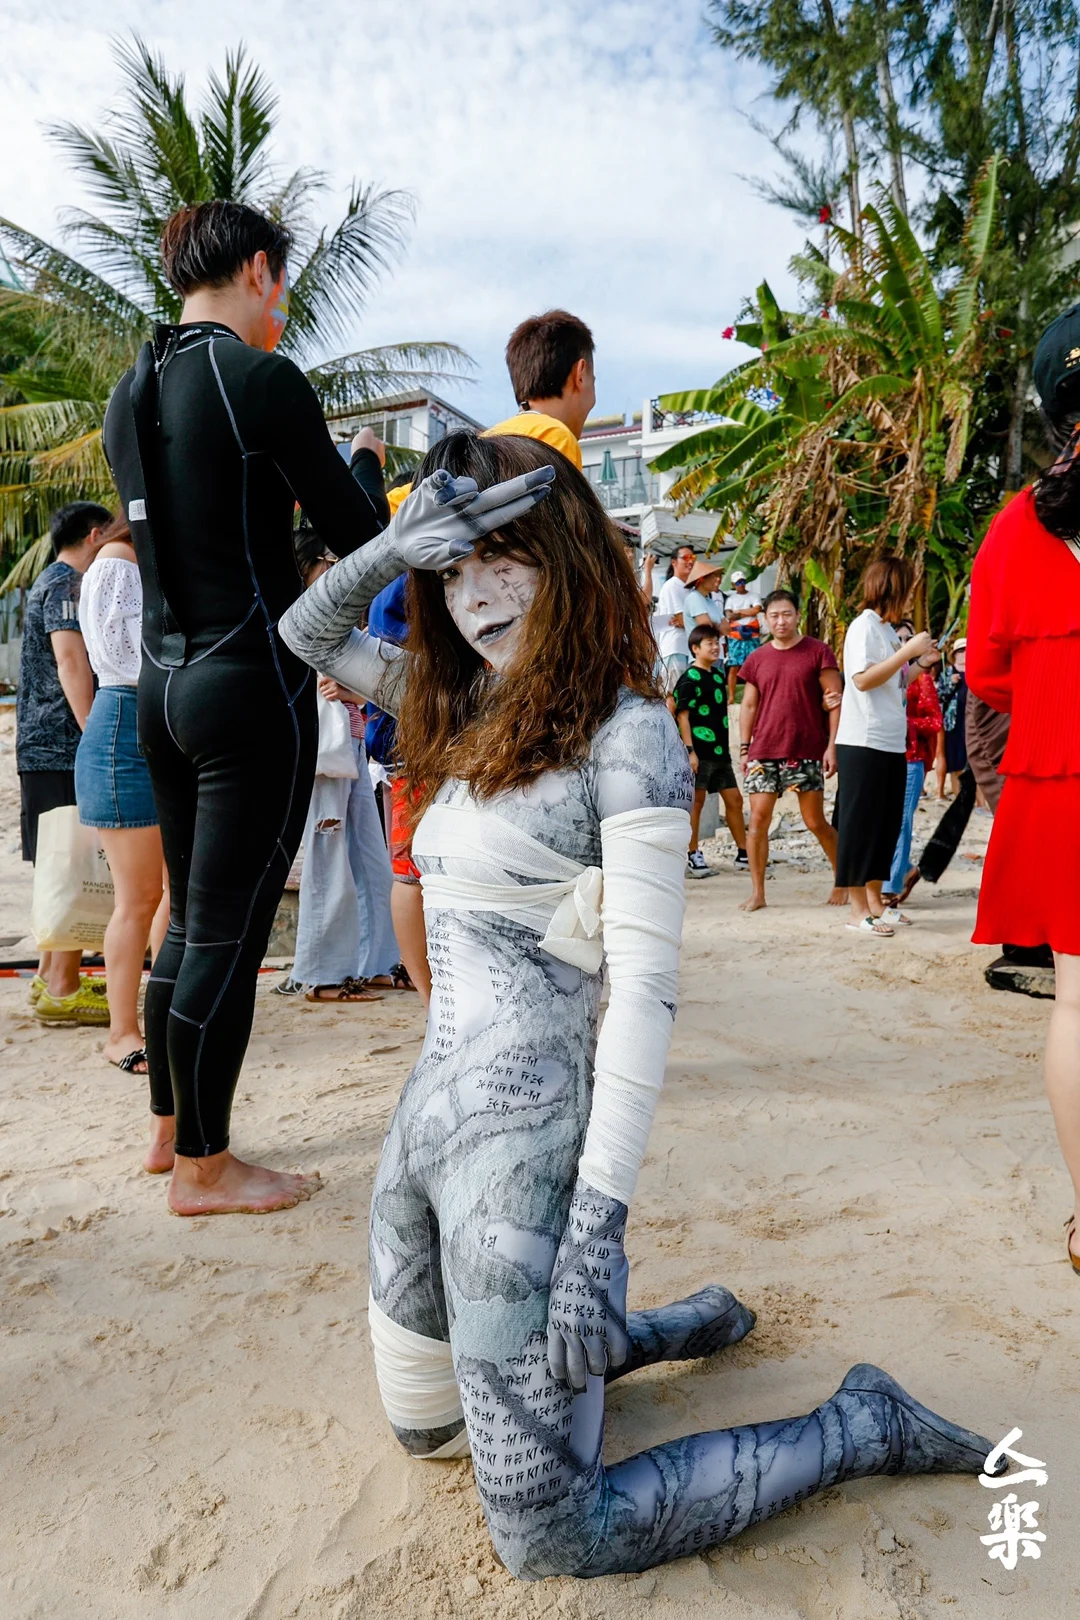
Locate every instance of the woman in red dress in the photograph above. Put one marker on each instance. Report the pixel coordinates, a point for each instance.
(1024, 659)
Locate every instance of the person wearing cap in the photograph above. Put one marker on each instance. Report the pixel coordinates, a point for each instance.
(1023, 658)
(953, 694)
(743, 609)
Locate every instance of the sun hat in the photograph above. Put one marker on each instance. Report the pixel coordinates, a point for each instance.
(1056, 368)
(702, 569)
(958, 646)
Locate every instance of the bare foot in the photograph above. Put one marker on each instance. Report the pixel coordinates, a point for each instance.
(837, 897)
(224, 1185)
(161, 1153)
(756, 902)
(909, 883)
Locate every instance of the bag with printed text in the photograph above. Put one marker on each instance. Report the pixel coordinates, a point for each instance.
(73, 887)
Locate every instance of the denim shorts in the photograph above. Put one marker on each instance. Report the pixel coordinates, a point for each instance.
(112, 783)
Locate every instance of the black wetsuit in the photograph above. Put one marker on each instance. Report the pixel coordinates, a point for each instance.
(212, 443)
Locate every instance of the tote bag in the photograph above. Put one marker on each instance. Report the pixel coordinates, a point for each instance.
(73, 888)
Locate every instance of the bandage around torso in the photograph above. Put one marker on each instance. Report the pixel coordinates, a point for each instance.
(628, 910)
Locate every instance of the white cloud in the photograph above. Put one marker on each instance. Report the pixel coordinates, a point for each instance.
(556, 158)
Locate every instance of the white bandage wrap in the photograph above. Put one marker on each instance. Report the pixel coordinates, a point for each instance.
(630, 910)
(644, 858)
(416, 1380)
(488, 854)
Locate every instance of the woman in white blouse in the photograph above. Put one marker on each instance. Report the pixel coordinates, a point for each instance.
(112, 786)
(871, 741)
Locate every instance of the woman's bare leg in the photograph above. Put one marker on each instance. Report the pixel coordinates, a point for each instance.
(134, 857)
(1063, 1072)
(407, 915)
(161, 915)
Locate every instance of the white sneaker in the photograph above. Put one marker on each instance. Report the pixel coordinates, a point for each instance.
(696, 866)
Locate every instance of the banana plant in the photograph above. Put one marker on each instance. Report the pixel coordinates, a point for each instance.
(868, 416)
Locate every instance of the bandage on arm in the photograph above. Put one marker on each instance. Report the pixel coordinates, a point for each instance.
(320, 627)
(644, 860)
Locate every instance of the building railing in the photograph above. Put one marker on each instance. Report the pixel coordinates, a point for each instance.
(629, 492)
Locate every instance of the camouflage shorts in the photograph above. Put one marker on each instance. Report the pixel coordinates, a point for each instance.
(777, 775)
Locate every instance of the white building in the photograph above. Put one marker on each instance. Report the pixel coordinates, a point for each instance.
(616, 456)
(410, 421)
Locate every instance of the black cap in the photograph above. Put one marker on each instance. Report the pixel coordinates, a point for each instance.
(1056, 369)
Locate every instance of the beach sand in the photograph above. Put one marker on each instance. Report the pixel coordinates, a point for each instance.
(852, 1137)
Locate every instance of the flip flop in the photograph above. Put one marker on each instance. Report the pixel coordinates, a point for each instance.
(872, 925)
(348, 990)
(130, 1063)
(1074, 1259)
(396, 979)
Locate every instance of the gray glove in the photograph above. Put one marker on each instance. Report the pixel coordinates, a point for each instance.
(586, 1328)
(444, 518)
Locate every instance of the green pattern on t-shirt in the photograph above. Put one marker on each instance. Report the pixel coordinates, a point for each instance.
(702, 694)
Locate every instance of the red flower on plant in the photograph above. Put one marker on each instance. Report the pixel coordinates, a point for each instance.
(825, 214)
(728, 333)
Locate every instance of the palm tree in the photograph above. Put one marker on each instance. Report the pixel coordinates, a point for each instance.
(71, 325)
(858, 446)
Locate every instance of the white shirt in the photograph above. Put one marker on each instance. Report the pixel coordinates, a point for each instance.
(110, 618)
(878, 718)
(669, 638)
(739, 603)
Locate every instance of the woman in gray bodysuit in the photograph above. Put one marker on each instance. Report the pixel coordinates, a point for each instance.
(554, 797)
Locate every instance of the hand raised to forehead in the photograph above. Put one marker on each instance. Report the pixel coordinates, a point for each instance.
(443, 519)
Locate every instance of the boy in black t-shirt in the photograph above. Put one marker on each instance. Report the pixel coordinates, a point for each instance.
(699, 704)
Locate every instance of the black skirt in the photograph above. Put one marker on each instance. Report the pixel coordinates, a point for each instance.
(870, 799)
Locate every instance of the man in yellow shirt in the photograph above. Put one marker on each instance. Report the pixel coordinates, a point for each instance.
(550, 361)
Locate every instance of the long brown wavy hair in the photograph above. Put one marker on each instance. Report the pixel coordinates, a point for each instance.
(586, 635)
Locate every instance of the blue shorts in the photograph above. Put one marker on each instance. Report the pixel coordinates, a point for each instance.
(112, 783)
(738, 651)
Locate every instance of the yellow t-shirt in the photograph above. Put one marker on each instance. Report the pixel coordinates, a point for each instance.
(526, 425)
(535, 425)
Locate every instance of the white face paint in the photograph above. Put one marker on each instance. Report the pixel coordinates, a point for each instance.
(489, 598)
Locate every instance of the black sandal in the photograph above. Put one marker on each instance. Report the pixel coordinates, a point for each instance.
(130, 1063)
(399, 977)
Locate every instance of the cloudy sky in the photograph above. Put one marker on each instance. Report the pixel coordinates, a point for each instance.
(588, 155)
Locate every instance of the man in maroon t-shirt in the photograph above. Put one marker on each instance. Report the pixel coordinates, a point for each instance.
(788, 722)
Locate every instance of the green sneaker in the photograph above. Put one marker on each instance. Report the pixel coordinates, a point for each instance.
(84, 1006)
(38, 986)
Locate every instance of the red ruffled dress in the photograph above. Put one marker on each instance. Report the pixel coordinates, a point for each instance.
(1023, 659)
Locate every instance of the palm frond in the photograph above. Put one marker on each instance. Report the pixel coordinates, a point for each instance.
(334, 284)
(236, 125)
(352, 380)
(34, 560)
(978, 233)
(32, 428)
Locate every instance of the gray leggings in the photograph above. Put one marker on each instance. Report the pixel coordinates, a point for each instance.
(469, 1207)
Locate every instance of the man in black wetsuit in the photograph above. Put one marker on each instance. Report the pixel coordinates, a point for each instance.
(212, 439)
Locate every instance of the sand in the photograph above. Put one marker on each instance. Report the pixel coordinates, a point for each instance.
(852, 1136)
